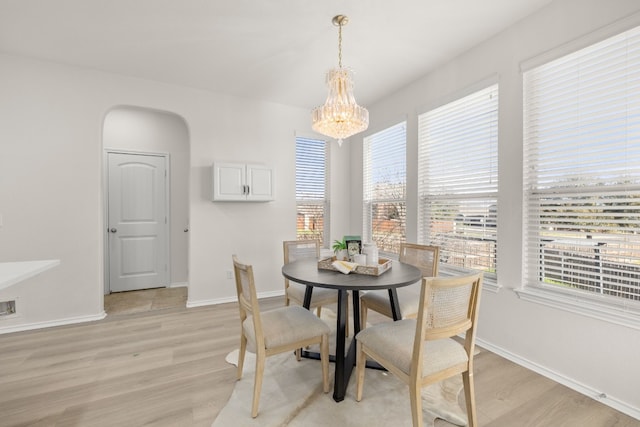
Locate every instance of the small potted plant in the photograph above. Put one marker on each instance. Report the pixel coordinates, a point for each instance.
(340, 249)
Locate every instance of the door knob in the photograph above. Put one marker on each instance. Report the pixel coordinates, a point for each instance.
(113, 230)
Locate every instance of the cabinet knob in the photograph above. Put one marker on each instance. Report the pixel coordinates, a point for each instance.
(113, 230)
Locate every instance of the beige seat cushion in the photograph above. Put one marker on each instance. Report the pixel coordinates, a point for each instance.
(408, 299)
(284, 326)
(319, 296)
(394, 342)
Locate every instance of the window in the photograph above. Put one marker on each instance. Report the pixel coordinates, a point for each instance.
(312, 190)
(582, 171)
(458, 180)
(384, 182)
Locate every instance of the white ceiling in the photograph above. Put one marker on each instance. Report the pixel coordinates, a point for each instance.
(277, 50)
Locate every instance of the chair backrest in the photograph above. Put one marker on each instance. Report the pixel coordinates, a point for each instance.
(247, 297)
(424, 257)
(448, 307)
(298, 249)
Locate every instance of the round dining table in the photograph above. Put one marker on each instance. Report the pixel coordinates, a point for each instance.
(306, 272)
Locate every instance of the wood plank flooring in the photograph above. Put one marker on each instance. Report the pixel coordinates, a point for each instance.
(145, 300)
(167, 368)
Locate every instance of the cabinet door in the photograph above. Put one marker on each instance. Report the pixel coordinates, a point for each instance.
(229, 181)
(260, 181)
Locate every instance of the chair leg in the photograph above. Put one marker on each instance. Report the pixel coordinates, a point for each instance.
(415, 396)
(318, 311)
(257, 385)
(363, 314)
(361, 361)
(324, 360)
(470, 398)
(241, 353)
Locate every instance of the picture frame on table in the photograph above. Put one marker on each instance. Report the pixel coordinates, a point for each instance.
(354, 247)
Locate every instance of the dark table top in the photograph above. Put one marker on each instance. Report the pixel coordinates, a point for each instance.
(306, 272)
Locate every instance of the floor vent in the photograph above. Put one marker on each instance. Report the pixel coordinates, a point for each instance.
(7, 308)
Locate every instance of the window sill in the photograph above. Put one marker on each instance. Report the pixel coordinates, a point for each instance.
(624, 313)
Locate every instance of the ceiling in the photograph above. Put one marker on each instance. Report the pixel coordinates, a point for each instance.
(276, 50)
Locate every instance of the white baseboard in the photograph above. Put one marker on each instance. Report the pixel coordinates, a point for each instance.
(564, 380)
(271, 294)
(201, 303)
(178, 285)
(49, 324)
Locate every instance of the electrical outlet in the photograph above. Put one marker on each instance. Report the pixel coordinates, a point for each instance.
(229, 274)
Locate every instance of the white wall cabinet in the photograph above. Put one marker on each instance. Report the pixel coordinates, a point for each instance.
(242, 182)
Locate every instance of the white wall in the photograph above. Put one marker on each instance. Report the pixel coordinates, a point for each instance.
(51, 121)
(590, 355)
(149, 131)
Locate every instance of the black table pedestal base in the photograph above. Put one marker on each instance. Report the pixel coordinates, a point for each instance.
(306, 272)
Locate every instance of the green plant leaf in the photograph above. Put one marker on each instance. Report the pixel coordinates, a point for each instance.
(338, 245)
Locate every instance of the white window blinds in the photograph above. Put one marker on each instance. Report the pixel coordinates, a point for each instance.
(384, 192)
(312, 195)
(458, 180)
(582, 170)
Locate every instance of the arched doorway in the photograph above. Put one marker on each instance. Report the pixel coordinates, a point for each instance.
(140, 133)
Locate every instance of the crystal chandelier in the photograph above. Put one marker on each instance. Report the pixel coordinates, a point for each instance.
(340, 117)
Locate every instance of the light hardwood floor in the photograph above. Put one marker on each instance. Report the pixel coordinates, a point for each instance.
(145, 300)
(167, 368)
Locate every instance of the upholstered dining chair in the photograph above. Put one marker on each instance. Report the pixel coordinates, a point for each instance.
(426, 259)
(274, 331)
(422, 351)
(300, 249)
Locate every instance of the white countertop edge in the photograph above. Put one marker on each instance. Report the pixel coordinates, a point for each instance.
(15, 272)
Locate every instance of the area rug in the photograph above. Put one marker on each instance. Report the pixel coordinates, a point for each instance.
(292, 396)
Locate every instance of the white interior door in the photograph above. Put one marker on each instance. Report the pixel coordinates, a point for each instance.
(137, 223)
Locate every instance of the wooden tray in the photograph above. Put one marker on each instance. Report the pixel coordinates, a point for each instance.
(371, 270)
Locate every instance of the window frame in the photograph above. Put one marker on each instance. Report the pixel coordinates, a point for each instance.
(367, 185)
(613, 309)
(488, 195)
(324, 202)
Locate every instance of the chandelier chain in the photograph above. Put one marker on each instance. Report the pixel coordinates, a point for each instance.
(340, 45)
